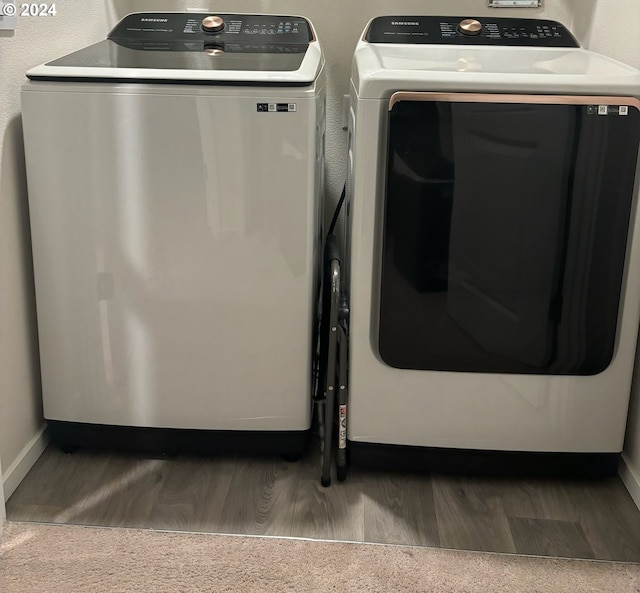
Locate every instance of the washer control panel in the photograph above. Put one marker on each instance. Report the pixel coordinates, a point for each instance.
(450, 30)
(234, 28)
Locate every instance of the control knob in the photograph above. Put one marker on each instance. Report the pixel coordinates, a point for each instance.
(470, 27)
(212, 24)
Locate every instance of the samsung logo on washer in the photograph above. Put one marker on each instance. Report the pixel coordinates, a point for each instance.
(406, 23)
(155, 20)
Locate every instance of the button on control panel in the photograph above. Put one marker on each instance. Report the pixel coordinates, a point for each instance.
(212, 24)
(469, 31)
(470, 27)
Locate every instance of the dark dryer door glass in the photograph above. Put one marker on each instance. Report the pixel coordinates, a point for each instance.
(505, 232)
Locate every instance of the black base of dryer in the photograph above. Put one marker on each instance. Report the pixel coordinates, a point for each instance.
(482, 463)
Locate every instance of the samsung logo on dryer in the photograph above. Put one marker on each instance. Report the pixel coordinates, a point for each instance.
(406, 23)
(155, 20)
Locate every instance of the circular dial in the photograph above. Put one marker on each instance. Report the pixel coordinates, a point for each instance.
(212, 24)
(470, 27)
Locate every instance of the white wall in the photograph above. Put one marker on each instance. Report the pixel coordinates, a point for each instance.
(609, 26)
(78, 23)
(615, 30)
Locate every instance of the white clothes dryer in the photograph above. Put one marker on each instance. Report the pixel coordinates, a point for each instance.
(493, 247)
(175, 193)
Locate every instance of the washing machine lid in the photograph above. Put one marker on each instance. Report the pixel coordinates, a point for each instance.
(482, 55)
(174, 47)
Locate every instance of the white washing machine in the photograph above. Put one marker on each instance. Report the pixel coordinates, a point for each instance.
(175, 176)
(493, 238)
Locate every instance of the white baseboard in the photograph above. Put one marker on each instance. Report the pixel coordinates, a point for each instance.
(27, 457)
(630, 479)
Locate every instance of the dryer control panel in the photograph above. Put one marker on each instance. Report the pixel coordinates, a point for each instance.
(451, 30)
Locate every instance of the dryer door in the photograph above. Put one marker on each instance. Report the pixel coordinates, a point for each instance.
(505, 230)
(507, 224)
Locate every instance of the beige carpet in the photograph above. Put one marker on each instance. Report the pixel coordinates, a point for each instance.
(60, 558)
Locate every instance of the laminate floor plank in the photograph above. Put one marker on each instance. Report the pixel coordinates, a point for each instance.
(66, 480)
(608, 517)
(334, 513)
(192, 495)
(261, 498)
(470, 516)
(88, 477)
(534, 498)
(309, 467)
(127, 494)
(546, 537)
(36, 486)
(39, 513)
(50, 487)
(400, 509)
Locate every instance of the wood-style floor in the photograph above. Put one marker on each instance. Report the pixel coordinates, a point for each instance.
(581, 519)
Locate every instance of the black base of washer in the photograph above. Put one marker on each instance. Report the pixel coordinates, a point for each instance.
(482, 463)
(173, 441)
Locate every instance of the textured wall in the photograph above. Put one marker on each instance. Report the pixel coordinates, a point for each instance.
(614, 29)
